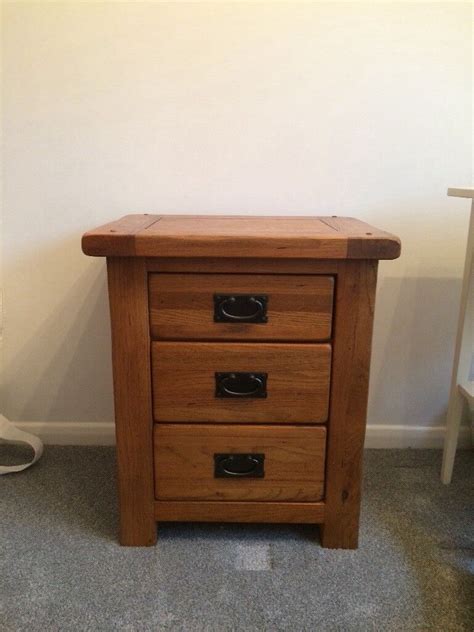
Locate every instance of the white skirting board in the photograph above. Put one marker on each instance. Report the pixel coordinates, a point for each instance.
(378, 436)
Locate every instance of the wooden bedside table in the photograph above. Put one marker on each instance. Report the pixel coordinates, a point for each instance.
(241, 352)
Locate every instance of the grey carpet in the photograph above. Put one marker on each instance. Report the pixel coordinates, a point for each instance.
(62, 569)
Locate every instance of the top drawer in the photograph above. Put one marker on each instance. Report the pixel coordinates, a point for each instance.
(240, 306)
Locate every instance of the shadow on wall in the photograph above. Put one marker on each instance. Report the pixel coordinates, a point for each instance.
(413, 347)
(58, 360)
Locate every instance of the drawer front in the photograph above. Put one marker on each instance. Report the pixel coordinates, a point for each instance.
(240, 306)
(290, 462)
(240, 382)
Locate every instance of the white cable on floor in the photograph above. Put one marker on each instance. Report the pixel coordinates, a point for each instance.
(9, 432)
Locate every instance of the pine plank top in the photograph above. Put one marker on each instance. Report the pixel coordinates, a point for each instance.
(278, 237)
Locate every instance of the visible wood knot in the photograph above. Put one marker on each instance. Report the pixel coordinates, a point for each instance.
(344, 495)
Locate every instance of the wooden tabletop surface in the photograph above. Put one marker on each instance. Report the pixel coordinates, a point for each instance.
(281, 237)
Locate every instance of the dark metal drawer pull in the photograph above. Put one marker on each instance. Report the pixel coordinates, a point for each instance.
(230, 465)
(240, 308)
(241, 384)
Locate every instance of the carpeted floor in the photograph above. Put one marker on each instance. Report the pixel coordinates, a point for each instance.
(61, 568)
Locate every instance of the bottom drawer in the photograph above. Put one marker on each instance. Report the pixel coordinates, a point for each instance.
(205, 462)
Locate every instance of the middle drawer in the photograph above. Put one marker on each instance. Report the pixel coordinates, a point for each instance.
(240, 382)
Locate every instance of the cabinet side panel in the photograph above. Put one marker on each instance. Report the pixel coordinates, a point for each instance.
(127, 279)
(353, 321)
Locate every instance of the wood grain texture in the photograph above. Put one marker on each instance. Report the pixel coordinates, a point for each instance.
(184, 382)
(225, 511)
(225, 265)
(116, 239)
(365, 241)
(182, 306)
(241, 237)
(184, 462)
(237, 236)
(132, 392)
(354, 311)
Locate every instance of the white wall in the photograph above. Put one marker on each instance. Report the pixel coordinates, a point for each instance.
(308, 108)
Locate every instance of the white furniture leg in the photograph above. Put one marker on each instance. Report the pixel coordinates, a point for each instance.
(462, 352)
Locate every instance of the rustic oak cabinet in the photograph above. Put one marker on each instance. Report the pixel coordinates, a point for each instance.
(241, 351)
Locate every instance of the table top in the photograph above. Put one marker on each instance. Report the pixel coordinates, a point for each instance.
(281, 237)
(465, 192)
